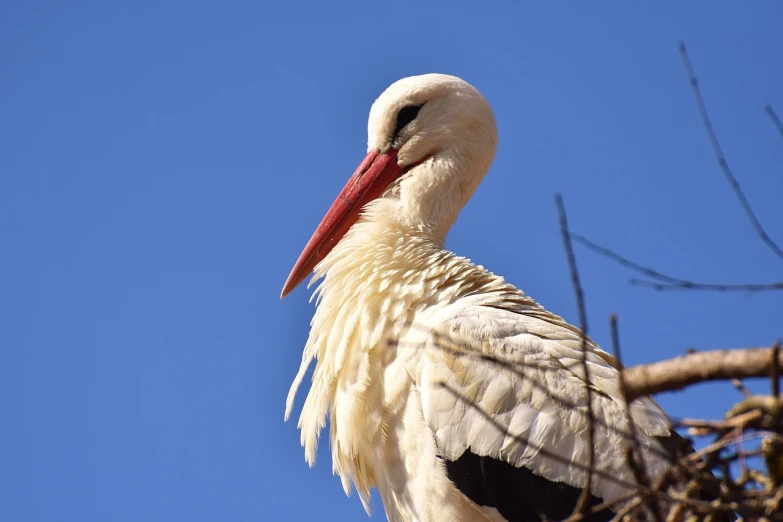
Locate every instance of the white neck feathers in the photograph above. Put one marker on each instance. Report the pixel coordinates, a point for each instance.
(379, 275)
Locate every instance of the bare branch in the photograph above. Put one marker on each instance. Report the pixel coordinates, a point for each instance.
(721, 158)
(680, 372)
(775, 369)
(637, 466)
(630, 506)
(584, 499)
(750, 288)
(579, 517)
(741, 387)
(774, 117)
(724, 424)
(668, 282)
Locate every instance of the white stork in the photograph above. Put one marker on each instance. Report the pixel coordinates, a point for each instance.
(449, 390)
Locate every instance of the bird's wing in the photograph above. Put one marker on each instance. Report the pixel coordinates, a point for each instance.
(503, 391)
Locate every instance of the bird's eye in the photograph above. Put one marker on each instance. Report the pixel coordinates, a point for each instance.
(405, 116)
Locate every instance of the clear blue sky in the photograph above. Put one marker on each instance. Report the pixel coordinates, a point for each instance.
(163, 163)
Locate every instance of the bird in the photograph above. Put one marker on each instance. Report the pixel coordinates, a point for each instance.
(447, 389)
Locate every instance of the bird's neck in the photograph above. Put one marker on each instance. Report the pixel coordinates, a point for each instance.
(431, 195)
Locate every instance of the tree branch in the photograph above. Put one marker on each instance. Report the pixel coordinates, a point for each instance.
(584, 499)
(680, 372)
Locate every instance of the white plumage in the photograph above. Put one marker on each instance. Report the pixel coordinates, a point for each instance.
(425, 359)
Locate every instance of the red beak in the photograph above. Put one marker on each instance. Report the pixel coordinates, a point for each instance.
(371, 178)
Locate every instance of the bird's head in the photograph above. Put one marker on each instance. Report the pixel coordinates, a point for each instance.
(431, 139)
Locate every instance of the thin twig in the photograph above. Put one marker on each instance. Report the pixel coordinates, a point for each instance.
(750, 288)
(742, 456)
(630, 506)
(667, 282)
(774, 117)
(741, 387)
(726, 440)
(584, 499)
(721, 158)
(578, 517)
(775, 369)
(620, 260)
(725, 424)
(777, 414)
(638, 466)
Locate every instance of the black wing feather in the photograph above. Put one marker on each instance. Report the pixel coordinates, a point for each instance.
(517, 493)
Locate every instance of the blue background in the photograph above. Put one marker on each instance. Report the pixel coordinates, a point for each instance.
(163, 163)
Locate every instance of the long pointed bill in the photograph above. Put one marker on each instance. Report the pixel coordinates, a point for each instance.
(374, 174)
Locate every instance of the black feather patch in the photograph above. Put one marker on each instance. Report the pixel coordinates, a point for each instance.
(517, 493)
